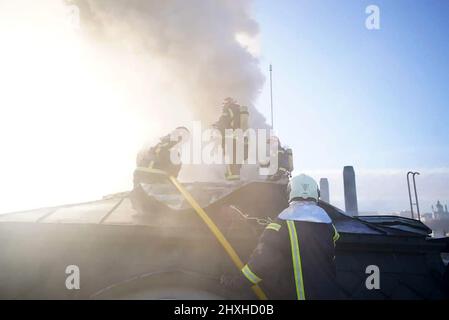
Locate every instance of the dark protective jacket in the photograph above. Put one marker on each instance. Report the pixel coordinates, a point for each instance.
(158, 157)
(230, 118)
(285, 160)
(295, 260)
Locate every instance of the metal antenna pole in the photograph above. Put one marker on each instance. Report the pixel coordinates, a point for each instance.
(416, 195)
(271, 95)
(410, 194)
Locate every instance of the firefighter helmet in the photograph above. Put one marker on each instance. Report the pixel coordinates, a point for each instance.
(303, 187)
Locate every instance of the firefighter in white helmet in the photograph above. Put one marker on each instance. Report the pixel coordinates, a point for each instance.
(294, 258)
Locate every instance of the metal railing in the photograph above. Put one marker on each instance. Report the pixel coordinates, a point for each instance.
(410, 194)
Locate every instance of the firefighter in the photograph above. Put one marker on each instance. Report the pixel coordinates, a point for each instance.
(233, 117)
(284, 160)
(155, 163)
(294, 258)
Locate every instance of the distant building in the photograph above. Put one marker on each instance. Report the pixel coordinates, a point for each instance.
(426, 216)
(440, 212)
(350, 191)
(324, 190)
(405, 214)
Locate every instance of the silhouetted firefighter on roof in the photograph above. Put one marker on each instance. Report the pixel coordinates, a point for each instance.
(155, 163)
(234, 116)
(284, 160)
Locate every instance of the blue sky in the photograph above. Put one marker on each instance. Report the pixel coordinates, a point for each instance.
(376, 99)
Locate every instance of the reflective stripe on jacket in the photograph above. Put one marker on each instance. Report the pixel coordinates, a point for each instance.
(295, 260)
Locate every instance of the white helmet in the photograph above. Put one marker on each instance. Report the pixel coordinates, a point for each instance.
(303, 187)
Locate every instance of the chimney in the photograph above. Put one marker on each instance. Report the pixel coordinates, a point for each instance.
(324, 190)
(350, 191)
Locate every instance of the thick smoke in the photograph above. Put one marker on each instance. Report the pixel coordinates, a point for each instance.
(188, 54)
(192, 43)
(79, 99)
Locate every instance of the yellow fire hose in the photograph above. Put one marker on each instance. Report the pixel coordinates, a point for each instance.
(217, 233)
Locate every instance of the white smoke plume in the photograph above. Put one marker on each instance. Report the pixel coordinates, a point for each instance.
(191, 46)
(79, 101)
(194, 47)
